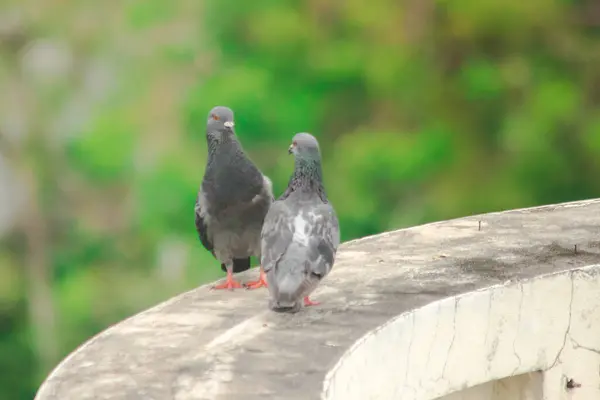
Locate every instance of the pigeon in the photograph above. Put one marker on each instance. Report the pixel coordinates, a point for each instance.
(301, 234)
(232, 202)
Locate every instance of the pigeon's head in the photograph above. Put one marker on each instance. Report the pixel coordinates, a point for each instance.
(304, 145)
(219, 119)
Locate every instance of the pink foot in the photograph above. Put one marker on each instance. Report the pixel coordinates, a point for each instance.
(256, 284)
(262, 281)
(308, 302)
(229, 284)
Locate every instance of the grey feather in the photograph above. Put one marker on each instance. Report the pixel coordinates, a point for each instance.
(234, 197)
(300, 235)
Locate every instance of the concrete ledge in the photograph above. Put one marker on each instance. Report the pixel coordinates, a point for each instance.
(417, 313)
(549, 323)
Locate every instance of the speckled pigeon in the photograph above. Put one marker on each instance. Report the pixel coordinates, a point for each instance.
(301, 232)
(233, 201)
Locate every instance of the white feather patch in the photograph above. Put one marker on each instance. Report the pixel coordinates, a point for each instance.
(299, 230)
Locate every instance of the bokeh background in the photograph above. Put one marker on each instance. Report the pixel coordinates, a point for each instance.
(425, 110)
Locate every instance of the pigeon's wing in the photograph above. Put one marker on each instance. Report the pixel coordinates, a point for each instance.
(268, 187)
(265, 195)
(239, 264)
(323, 239)
(277, 233)
(299, 247)
(201, 223)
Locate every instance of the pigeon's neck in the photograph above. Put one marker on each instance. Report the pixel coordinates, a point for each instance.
(230, 177)
(307, 178)
(227, 143)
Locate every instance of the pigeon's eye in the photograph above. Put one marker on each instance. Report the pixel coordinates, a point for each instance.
(215, 117)
(294, 143)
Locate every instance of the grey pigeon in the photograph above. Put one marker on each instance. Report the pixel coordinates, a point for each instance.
(301, 232)
(233, 201)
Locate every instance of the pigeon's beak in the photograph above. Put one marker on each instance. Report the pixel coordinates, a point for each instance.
(228, 124)
(291, 149)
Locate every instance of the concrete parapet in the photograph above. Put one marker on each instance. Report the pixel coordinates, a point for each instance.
(497, 306)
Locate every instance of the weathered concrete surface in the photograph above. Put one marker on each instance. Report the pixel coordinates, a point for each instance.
(487, 341)
(215, 345)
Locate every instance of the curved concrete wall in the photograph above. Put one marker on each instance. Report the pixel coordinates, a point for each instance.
(550, 323)
(443, 309)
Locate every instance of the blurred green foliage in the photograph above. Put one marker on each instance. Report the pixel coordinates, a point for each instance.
(425, 110)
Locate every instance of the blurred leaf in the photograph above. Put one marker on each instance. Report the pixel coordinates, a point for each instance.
(145, 13)
(104, 152)
(482, 80)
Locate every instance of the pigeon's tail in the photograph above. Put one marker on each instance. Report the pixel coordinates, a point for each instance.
(288, 295)
(239, 265)
(290, 288)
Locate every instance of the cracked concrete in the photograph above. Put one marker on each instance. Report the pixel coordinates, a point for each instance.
(417, 313)
(501, 331)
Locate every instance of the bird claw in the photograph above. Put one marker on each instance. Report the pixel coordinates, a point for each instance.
(229, 284)
(262, 281)
(256, 284)
(308, 302)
